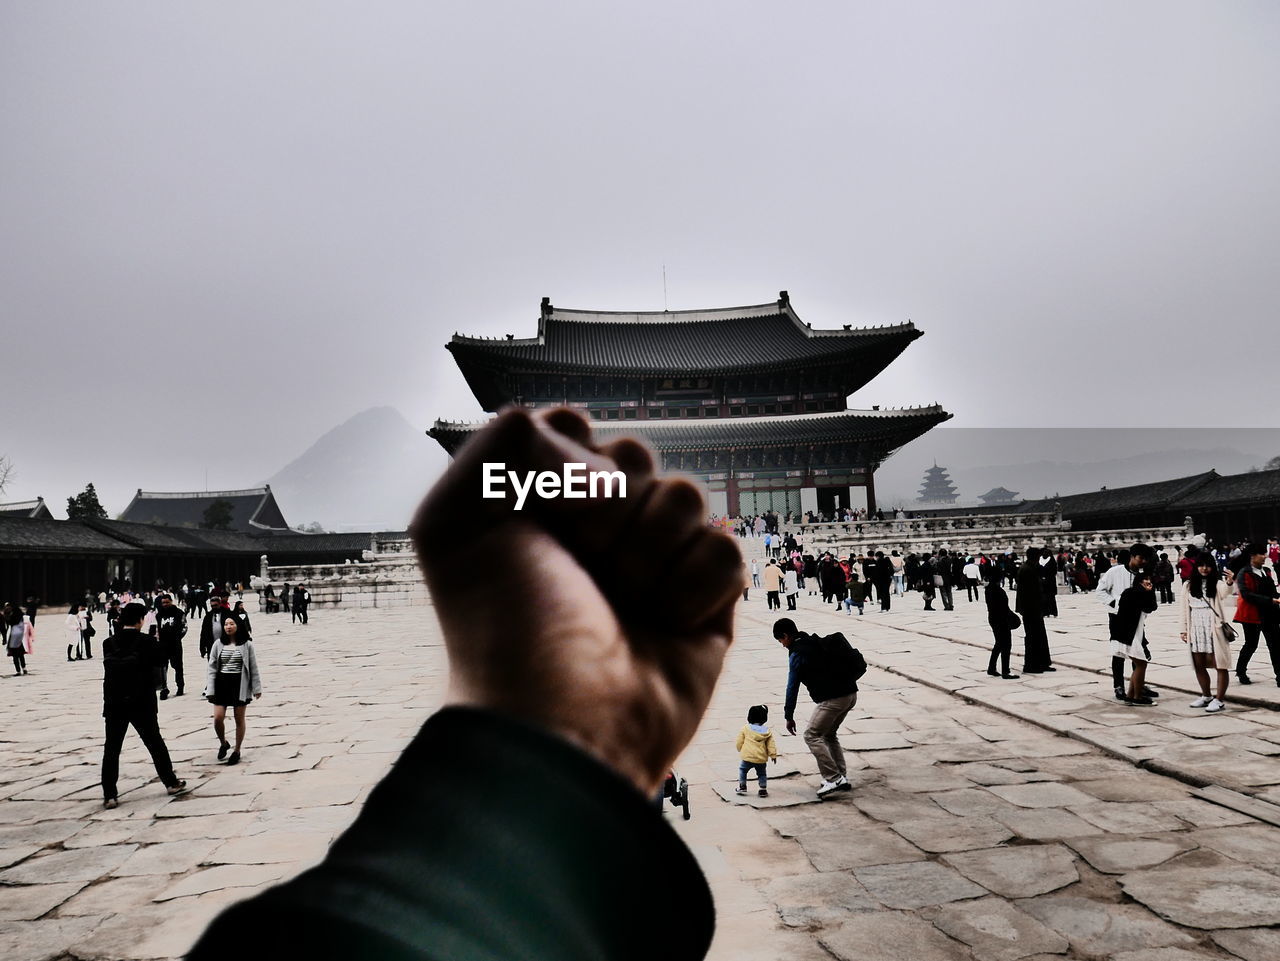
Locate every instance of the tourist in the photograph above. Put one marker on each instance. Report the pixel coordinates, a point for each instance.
(72, 626)
(171, 628)
(232, 682)
(756, 747)
(1048, 583)
(242, 617)
(942, 579)
(286, 595)
(129, 658)
(1257, 611)
(1187, 564)
(791, 587)
(857, 596)
(972, 578)
(211, 626)
(755, 573)
(829, 669)
(1131, 618)
(899, 577)
(301, 601)
(772, 585)
(1162, 577)
(1002, 622)
(1117, 579)
(19, 636)
(1036, 657)
(930, 580)
(884, 575)
(1203, 601)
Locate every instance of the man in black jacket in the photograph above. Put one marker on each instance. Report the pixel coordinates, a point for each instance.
(171, 628)
(820, 665)
(211, 626)
(129, 697)
(884, 577)
(579, 685)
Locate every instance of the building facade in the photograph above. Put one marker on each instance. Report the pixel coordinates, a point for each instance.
(750, 400)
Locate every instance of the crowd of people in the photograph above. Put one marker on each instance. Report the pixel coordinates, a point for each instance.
(1212, 586)
(143, 641)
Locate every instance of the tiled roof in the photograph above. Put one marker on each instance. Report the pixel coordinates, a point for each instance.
(1255, 487)
(314, 543)
(35, 508)
(36, 535)
(888, 428)
(722, 340)
(251, 510)
(183, 540)
(1123, 499)
(998, 494)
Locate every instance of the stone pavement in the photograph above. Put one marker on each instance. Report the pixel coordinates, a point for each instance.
(990, 819)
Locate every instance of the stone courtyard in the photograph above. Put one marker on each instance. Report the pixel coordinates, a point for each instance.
(989, 819)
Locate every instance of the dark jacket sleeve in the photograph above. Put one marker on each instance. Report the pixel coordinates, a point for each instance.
(488, 841)
(1254, 590)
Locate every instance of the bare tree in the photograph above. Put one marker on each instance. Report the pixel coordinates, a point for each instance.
(6, 472)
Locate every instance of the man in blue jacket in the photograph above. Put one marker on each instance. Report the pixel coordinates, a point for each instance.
(822, 665)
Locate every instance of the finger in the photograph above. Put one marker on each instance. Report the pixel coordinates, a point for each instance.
(568, 422)
(671, 515)
(707, 574)
(631, 456)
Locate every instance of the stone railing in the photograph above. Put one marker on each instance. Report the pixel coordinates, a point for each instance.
(972, 533)
(391, 580)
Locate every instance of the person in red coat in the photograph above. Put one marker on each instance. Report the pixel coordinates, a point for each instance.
(1257, 611)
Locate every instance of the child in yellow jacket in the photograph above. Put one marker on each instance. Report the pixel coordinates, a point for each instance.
(756, 747)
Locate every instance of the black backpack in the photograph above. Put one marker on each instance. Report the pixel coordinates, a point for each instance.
(843, 661)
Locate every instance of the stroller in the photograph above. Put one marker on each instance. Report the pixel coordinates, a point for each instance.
(676, 789)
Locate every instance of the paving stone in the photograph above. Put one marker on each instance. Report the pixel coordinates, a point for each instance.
(970, 801)
(43, 940)
(223, 876)
(1097, 928)
(987, 774)
(916, 884)
(997, 931)
(1117, 855)
(768, 857)
(813, 900)
(274, 848)
(917, 780)
(30, 901)
(1251, 944)
(39, 833)
(950, 833)
(873, 741)
(1120, 817)
(787, 793)
(109, 897)
(83, 865)
(841, 850)
(1202, 814)
(11, 856)
(1017, 872)
(172, 857)
(1257, 843)
(202, 807)
(1212, 725)
(891, 807)
(1208, 898)
(886, 936)
(1167, 954)
(1134, 789)
(1045, 794)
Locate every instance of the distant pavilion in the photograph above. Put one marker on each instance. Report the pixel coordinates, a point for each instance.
(749, 400)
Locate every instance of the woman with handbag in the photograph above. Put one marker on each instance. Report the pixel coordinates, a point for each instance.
(232, 682)
(1206, 631)
(74, 640)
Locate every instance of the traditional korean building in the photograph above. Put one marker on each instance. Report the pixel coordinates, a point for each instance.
(937, 487)
(750, 400)
(997, 496)
(250, 511)
(33, 510)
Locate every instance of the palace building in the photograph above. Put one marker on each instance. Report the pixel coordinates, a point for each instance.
(749, 400)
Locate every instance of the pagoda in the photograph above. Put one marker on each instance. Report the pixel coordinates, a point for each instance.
(751, 400)
(937, 487)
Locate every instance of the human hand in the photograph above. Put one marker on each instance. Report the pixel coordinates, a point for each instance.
(1184, 636)
(256, 696)
(579, 646)
(791, 727)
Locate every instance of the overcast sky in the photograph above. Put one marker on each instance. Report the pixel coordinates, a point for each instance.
(227, 227)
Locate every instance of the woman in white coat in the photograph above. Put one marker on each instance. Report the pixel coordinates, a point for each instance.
(72, 626)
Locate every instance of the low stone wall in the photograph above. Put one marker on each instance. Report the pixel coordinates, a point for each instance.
(393, 581)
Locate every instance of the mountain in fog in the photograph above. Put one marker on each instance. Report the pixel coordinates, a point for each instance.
(366, 474)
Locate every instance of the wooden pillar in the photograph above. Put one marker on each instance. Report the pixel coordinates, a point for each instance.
(731, 491)
(871, 492)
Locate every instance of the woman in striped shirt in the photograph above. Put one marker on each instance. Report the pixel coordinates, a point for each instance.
(233, 680)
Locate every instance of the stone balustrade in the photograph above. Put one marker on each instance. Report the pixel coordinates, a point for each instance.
(381, 580)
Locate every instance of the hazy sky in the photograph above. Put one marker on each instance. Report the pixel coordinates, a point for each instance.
(226, 227)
